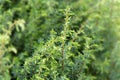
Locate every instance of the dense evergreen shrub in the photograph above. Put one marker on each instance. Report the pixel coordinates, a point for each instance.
(59, 40)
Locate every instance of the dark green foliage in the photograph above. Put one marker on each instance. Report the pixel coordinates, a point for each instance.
(59, 40)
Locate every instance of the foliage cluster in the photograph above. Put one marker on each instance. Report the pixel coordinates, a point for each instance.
(59, 40)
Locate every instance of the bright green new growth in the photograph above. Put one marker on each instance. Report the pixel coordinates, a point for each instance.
(5, 41)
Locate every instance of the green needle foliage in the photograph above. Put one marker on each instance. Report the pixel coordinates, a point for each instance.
(59, 40)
